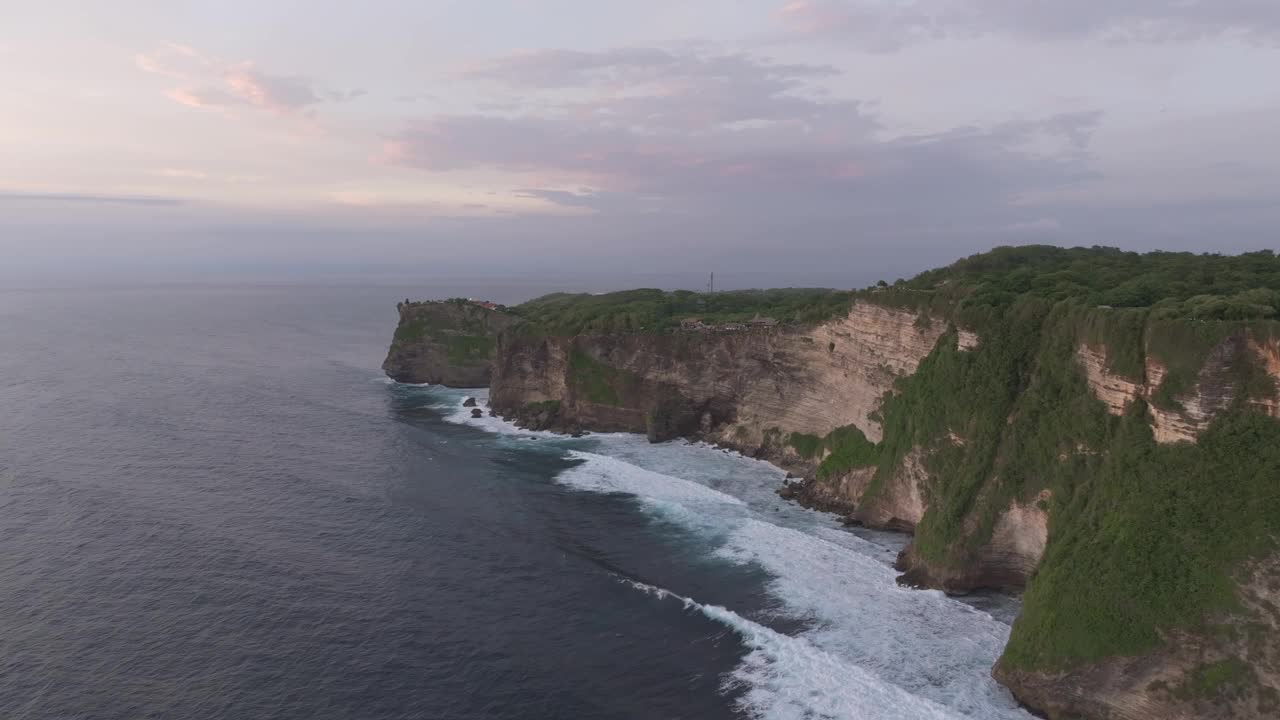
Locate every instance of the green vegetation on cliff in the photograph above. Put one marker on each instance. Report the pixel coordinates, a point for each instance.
(468, 348)
(1150, 540)
(467, 331)
(1144, 537)
(657, 311)
(1201, 287)
(597, 382)
(411, 331)
(845, 448)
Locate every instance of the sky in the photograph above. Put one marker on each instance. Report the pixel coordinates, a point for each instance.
(792, 138)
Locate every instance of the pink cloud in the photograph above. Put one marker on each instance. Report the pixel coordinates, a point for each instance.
(209, 83)
(277, 93)
(203, 98)
(172, 60)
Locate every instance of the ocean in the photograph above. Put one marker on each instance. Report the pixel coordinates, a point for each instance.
(213, 505)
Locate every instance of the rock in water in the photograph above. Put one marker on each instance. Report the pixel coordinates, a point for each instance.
(477, 413)
(469, 402)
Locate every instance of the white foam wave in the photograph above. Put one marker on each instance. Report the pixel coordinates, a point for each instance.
(391, 381)
(919, 643)
(789, 678)
(602, 473)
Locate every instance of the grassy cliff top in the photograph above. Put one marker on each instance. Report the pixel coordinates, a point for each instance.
(654, 311)
(1173, 285)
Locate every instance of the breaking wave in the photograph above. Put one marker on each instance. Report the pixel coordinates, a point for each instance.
(868, 648)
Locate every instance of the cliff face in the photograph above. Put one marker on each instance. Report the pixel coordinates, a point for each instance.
(446, 343)
(738, 388)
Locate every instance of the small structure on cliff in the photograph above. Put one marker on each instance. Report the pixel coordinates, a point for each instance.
(693, 325)
(761, 322)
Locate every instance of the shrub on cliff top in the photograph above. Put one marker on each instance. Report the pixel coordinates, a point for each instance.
(1183, 285)
(656, 311)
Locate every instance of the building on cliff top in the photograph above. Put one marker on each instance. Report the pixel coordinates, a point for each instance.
(760, 321)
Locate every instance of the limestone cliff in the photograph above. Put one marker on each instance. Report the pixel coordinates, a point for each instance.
(738, 388)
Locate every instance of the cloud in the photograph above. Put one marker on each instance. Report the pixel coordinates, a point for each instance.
(882, 26)
(345, 95)
(173, 60)
(589, 200)
(98, 199)
(277, 93)
(705, 136)
(205, 98)
(417, 97)
(209, 83)
(667, 116)
(623, 66)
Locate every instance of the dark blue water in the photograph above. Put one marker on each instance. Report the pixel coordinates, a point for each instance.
(212, 507)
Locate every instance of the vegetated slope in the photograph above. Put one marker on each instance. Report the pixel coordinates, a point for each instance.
(1130, 401)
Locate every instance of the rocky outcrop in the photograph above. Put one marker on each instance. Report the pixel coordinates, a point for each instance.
(840, 494)
(1214, 389)
(1116, 392)
(1267, 353)
(1004, 562)
(1017, 543)
(444, 343)
(902, 503)
(1213, 392)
